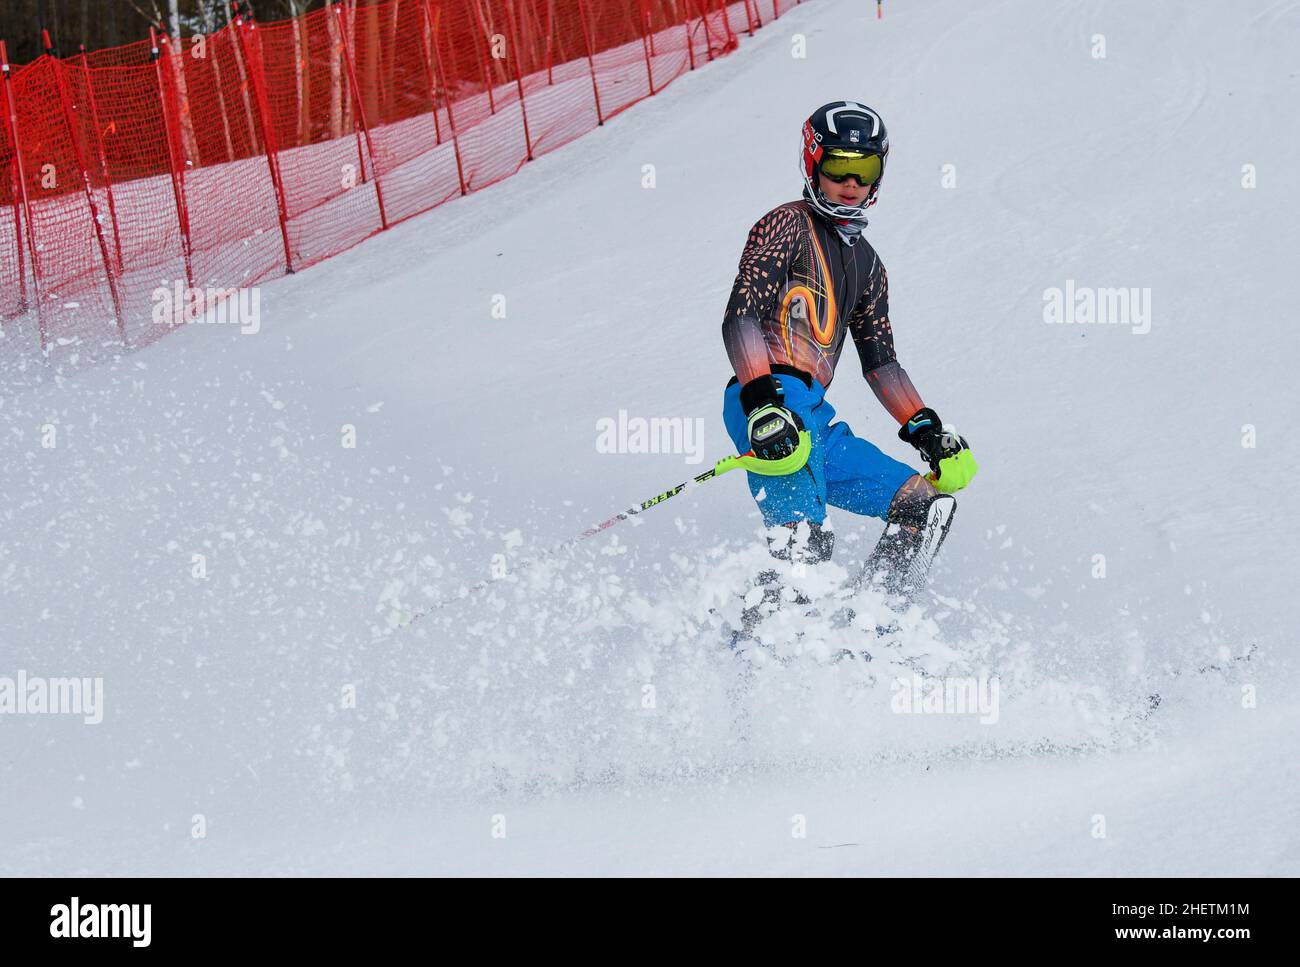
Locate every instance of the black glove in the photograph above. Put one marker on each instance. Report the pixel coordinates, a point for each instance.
(773, 432)
(773, 429)
(925, 432)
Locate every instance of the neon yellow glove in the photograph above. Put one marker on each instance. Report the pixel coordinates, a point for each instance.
(952, 465)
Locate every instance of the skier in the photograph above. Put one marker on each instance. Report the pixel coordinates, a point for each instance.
(807, 275)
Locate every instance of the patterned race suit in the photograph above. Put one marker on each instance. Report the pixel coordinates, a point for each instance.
(800, 286)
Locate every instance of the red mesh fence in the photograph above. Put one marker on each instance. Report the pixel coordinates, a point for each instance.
(218, 162)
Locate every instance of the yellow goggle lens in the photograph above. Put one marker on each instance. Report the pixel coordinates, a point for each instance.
(838, 166)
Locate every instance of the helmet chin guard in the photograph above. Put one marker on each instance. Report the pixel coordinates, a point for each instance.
(852, 213)
(847, 126)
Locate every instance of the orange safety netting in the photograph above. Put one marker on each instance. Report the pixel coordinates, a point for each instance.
(260, 149)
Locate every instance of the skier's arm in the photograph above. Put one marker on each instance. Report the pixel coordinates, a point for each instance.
(951, 464)
(763, 267)
(894, 389)
(874, 339)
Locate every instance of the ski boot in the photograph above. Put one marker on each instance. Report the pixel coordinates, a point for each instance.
(810, 543)
(902, 558)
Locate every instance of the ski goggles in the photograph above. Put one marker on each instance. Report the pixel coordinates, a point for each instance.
(839, 164)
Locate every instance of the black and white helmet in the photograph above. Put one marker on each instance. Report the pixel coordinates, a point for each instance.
(849, 135)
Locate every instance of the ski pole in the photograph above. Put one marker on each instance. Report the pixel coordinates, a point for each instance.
(744, 461)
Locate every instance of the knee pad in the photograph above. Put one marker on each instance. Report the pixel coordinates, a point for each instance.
(914, 509)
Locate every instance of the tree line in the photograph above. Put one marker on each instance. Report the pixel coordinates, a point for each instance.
(111, 23)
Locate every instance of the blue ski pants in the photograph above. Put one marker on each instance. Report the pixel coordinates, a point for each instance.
(843, 470)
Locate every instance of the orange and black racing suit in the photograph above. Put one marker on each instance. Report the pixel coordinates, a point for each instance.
(800, 286)
(803, 283)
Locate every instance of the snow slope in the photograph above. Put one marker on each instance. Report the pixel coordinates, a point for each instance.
(521, 709)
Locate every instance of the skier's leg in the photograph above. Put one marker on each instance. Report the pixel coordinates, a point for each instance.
(793, 506)
(859, 477)
(912, 498)
(806, 542)
(864, 480)
(917, 523)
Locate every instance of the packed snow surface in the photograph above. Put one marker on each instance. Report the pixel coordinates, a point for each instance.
(201, 539)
